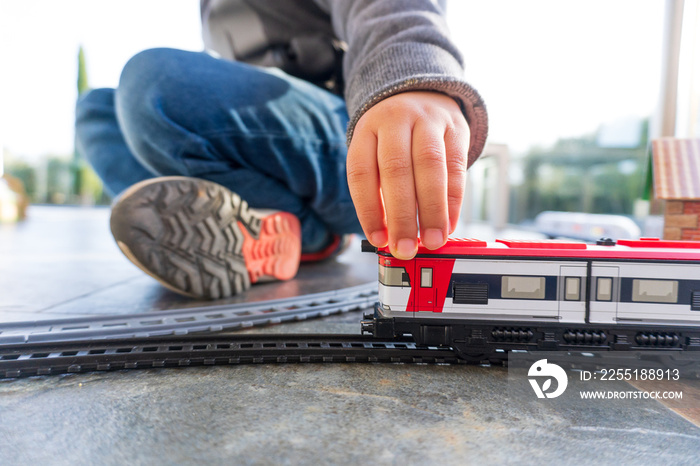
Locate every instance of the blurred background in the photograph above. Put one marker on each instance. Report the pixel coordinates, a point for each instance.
(575, 90)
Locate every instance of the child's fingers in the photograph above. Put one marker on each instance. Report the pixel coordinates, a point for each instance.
(456, 148)
(398, 188)
(363, 180)
(429, 168)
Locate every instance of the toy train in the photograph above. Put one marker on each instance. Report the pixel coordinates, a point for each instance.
(482, 298)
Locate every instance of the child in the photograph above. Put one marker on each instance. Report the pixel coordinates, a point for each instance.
(336, 117)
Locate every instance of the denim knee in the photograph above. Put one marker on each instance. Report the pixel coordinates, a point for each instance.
(145, 86)
(170, 101)
(150, 68)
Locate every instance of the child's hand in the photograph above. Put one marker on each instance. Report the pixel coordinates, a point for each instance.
(409, 152)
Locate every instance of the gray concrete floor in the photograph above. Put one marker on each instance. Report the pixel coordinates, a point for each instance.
(62, 262)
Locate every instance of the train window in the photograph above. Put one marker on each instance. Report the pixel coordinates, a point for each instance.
(604, 289)
(470, 293)
(655, 291)
(426, 277)
(522, 287)
(572, 289)
(393, 276)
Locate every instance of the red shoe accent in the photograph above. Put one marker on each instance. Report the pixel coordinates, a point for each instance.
(337, 246)
(275, 254)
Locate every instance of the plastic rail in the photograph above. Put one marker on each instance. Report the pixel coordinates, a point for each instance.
(184, 321)
(65, 357)
(22, 360)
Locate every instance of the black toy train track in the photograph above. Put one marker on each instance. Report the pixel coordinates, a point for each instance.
(23, 360)
(208, 349)
(202, 336)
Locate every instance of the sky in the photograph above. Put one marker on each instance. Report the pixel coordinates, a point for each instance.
(39, 42)
(546, 68)
(552, 68)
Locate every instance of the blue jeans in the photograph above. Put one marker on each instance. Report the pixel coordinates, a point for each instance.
(277, 141)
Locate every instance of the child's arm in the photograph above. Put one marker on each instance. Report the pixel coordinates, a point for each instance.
(409, 143)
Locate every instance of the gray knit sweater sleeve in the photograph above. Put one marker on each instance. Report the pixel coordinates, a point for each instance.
(402, 45)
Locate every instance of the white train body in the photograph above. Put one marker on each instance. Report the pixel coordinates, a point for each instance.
(642, 282)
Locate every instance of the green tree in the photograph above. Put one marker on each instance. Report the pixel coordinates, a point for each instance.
(83, 85)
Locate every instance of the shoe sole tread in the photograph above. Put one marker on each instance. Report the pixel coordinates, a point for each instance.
(192, 235)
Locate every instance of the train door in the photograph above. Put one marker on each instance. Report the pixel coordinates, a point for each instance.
(604, 294)
(426, 293)
(431, 283)
(572, 293)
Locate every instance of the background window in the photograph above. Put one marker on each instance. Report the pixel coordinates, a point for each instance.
(579, 152)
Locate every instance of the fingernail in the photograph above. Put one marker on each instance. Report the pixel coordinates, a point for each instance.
(433, 238)
(379, 239)
(406, 248)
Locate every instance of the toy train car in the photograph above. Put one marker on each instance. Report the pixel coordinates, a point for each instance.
(480, 298)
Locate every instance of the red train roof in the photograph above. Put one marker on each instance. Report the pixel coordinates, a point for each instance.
(643, 248)
(550, 244)
(658, 243)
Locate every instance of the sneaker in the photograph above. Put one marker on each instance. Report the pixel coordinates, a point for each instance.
(201, 240)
